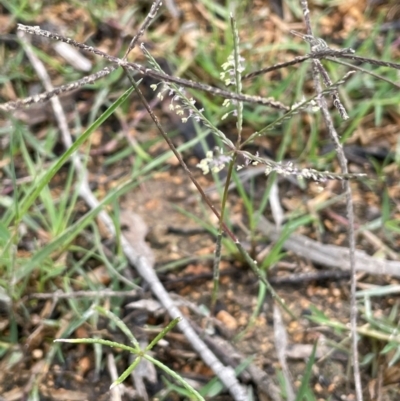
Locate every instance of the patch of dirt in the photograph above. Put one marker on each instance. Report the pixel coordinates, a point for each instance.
(175, 228)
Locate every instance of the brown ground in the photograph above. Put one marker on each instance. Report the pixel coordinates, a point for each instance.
(173, 236)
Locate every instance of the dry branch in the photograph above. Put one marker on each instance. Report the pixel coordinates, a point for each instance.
(333, 256)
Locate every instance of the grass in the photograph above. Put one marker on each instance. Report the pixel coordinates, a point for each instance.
(50, 241)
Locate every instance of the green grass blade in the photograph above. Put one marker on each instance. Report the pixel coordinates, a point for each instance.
(69, 234)
(44, 180)
(305, 383)
(163, 332)
(193, 393)
(120, 324)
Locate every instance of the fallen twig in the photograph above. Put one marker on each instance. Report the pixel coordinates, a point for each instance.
(332, 256)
